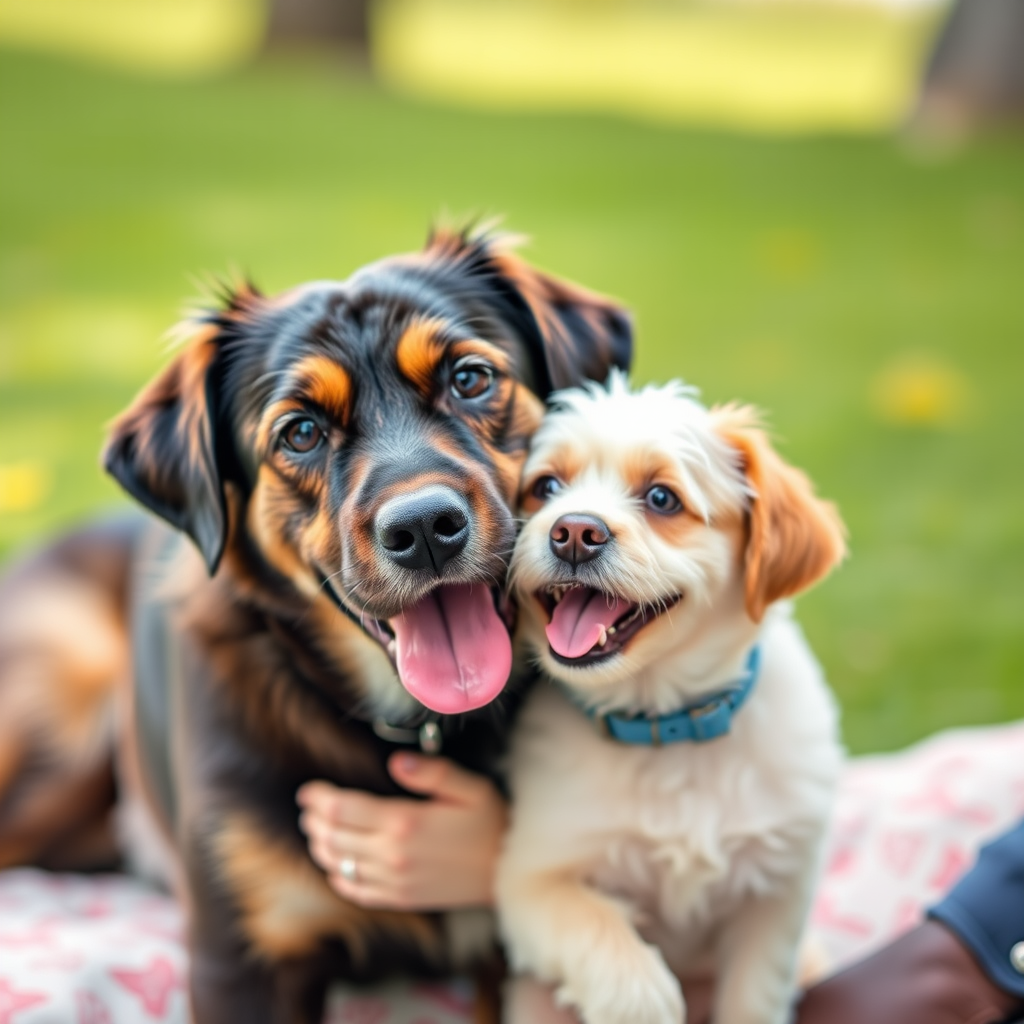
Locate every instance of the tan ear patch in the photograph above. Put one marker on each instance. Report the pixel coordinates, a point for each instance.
(181, 382)
(794, 537)
(163, 450)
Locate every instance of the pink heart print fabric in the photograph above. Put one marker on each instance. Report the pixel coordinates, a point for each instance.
(78, 949)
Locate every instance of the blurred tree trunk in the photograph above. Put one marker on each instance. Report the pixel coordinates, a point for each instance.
(976, 71)
(323, 22)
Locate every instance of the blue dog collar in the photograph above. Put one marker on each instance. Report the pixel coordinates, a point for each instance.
(696, 723)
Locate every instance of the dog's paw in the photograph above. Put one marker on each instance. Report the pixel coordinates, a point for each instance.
(635, 989)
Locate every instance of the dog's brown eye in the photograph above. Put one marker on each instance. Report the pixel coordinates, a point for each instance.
(661, 499)
(546, 487)
(472, 381)
(302, 436)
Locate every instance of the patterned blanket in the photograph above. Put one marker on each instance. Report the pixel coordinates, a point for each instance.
(108, 950)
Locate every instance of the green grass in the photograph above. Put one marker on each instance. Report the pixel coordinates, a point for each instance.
(869, 299)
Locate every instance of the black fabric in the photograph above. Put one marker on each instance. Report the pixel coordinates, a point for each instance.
(986, 909)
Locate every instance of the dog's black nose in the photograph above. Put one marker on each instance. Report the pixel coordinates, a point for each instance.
(424, 530)
(578, 538)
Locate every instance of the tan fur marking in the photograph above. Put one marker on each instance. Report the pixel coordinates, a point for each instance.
(287, 907)
(184, 381)
(795, 537)
(527, 413)
(484, 349)
(675, 528)
(565, 464)
(264, 526)
(317, 380)
(319, 541)
(508, 467)
(360, 658)
(420, 351)
(326, 383)
(272, 415)
(642, 471)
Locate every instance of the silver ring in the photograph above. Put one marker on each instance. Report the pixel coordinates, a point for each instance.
(348, 869)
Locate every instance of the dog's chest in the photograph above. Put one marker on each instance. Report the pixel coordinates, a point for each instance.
(685, 852)
(683, 833)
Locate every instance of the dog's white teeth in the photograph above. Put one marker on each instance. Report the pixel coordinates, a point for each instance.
(602, 637)
(612, 630)
(392, 648)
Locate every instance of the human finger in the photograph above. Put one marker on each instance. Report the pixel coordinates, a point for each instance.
(349, 808)
(363, 871)
(329, 848)
(438, 777)
(367, 891)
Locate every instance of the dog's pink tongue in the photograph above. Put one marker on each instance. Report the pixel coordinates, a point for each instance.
(579, 618)
(454, 653)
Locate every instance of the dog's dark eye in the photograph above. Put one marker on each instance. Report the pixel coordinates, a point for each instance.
(546, 487)
(472, 381)
(302, 436)
(661, 499)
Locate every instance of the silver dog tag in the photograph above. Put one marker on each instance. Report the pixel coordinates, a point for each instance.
(430, 738)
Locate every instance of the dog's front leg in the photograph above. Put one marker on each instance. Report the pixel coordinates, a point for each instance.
(572, 936)
(226, 988)
(234, 979)
(757, 956)
(225, 991)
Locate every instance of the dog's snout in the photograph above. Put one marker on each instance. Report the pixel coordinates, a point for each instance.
(424, 530)
(578, 538)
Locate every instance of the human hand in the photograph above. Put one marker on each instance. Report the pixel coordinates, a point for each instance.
(926, 976)
(409, 854)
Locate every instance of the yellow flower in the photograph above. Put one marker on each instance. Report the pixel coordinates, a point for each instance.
(24, 486)
(920, 389)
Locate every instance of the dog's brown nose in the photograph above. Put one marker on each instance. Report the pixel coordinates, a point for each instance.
(578, 538)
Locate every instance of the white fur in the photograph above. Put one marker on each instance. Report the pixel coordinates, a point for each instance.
(627, 866)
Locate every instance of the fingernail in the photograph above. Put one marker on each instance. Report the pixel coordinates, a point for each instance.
(302, 796)
(407, 763)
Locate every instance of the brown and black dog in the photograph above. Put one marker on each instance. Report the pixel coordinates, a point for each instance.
(345, 458)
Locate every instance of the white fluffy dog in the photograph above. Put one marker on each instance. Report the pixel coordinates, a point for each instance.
(671, 787)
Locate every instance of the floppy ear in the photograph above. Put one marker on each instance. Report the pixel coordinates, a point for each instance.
(794, 537)
(163, 448)
(582, 335)
(572, 335)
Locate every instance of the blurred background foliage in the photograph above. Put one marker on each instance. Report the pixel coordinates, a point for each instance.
(732, 170)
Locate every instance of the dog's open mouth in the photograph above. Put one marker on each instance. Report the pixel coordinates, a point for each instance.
(587, 625)
(452, 648)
